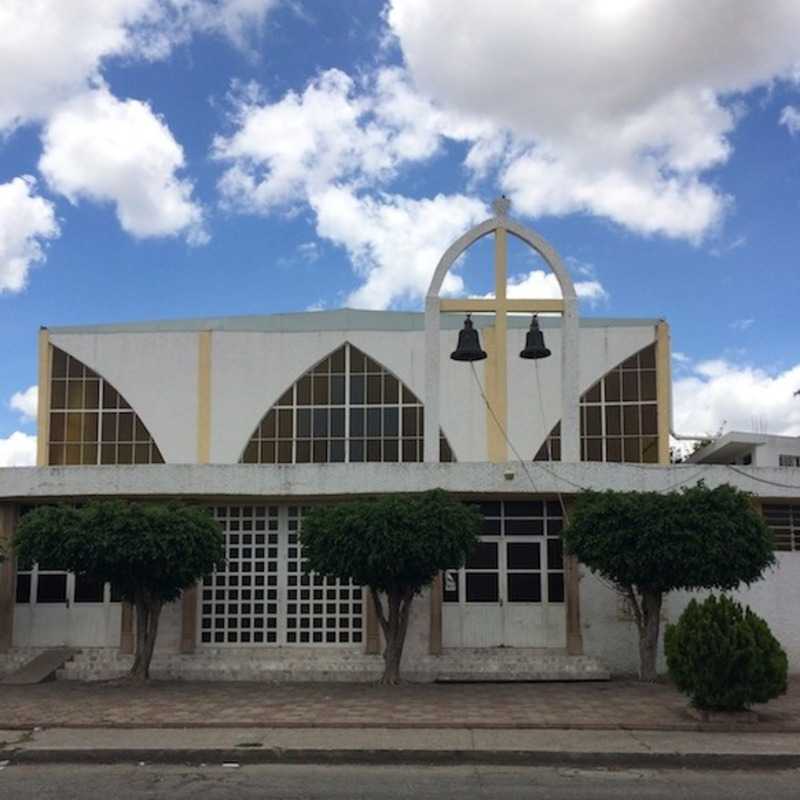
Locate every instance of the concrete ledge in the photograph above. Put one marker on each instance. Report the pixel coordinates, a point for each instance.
(433, 746)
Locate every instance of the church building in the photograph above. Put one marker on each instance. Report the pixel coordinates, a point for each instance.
(515, 408)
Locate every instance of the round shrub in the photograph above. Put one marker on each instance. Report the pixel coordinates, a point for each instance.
(724, 657)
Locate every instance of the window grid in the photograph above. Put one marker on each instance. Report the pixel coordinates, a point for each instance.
(263, 597)
(618, 416)
(784, 519)
(511, 526)
(348, 408)
(90, 422)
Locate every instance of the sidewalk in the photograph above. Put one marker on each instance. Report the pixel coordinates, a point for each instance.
(240, 746)
(608, 706)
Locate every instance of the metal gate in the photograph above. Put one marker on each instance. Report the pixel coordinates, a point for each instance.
(263, 596)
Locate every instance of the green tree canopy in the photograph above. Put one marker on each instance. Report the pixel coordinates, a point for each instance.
(649, 544)
(395, 545)
(150, 552)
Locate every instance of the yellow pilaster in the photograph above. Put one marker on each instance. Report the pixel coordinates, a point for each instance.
(496, 340)
(663, 386)
(43, 410)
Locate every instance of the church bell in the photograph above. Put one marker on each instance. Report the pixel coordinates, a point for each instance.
(469, 345)
(534, 342)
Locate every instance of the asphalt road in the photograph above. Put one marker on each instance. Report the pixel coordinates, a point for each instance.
(123, 782)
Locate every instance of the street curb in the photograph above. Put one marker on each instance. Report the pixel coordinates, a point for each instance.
(529, 758)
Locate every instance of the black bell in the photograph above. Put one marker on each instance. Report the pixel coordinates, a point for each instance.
(534, 342)
(469, 345)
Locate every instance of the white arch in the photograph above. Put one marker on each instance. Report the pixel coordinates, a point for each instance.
(570, 392)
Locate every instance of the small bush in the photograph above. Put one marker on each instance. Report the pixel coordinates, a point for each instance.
(724, 657)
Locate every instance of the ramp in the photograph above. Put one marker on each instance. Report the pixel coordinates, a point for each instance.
(40, 668)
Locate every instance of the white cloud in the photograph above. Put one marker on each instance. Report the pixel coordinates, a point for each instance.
(790, 117)
(742, 324)
(51, 50)
(394, 242)
(26, 402)
(119, 151)
(18, 450)
(538, 284)
(742, 398)
(612, 109)
(27, 221)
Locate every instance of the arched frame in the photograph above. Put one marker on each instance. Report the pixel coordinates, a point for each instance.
(501, 225)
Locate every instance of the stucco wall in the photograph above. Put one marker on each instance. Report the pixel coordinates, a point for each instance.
(610, 634)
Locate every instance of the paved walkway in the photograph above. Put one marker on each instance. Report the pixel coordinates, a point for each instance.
(616, 705)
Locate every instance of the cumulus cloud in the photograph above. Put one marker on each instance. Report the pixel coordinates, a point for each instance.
(587, 131)
(26, 402)
(331, 148)
(119, 151)
(27, 222)
(742, 398)
(540, 284)
(790, 117)
(18, 450)
(394, 242)
(50, 51)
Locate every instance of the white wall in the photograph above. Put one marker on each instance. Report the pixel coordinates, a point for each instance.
(610, 634)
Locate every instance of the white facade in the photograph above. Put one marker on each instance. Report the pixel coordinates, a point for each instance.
(756, 449)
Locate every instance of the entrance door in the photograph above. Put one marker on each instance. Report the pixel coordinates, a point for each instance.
(56, 608)
(510, 593)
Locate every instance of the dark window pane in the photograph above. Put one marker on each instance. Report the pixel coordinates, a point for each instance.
(594, 423)
(57, 428)
(648, 379)
(303, 452)
(374, 389)
(630, 385)
(286, 398)
(490, 509)
(337, 422)
(320, 452)
(525, 587)
(524, 527)
(125, 427)
(484, 556)
(391, 450)
(482, 587)
(594, 450)
(337, 360)
(630, 420)
(613, 420)
(269, 426)
(555, 554)
(491, 527)
(391, 422)
(337, 450)
(650, 450)
(520, 508)
(391, 389)
(357, 389)
(51, 588)
(374, 450)
(321, 397)
(612, 387)
(631, 450)
(320, 422)
(59, 394)
(284, 452)
(410, 450)
(304, 391)
(650, 419)
(523, 555)
(555, 587)
(285, 423)
(358, 361)
(59, 363)
(337, 390)
(614, 450)
(373, 422)
(647, 357)
(88, 590)
(304, 422)
(357, 450)
(23, 588)
(357, 421)
(592, 395)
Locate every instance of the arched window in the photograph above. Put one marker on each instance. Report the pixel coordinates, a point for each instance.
(348, 408)
(619, 415)
(91, 422)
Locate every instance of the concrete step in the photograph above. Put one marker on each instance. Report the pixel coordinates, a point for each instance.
(40, 668)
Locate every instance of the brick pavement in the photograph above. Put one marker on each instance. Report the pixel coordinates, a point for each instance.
(612, 705)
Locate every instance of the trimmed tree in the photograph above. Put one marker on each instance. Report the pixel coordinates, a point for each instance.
(648, 544)
(149, 552)
(394, 545)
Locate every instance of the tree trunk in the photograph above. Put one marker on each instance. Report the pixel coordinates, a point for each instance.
(394, 629)
(649, 626)
(148, 612)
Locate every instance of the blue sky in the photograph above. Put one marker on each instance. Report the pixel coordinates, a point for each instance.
(178, 158)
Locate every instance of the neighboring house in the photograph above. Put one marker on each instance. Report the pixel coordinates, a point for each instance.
(750, 449)
(260, 417)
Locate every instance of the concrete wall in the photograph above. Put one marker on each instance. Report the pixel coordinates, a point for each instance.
(610, 633)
